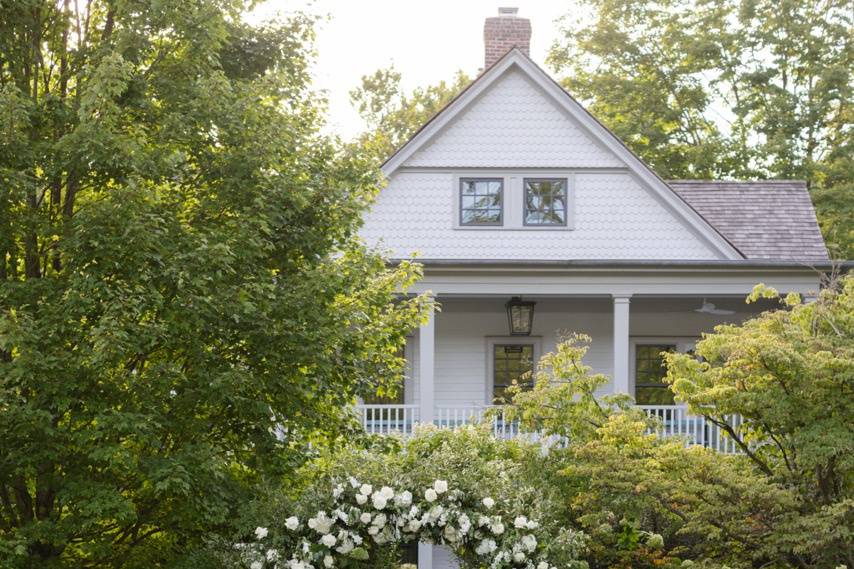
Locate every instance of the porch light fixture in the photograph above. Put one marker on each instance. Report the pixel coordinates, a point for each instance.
(520, 316)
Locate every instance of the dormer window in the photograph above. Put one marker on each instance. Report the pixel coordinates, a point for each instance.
(481, 201)
(545, 201)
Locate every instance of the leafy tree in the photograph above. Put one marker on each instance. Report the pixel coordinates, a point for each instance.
(392, 115)
(787, 500)
(725, 88)
(183, 308)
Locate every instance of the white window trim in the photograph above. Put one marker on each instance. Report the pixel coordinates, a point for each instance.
(513, 199)
(491, 341)
(683, 344)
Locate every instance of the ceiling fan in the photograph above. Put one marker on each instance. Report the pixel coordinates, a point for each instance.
(710, 308)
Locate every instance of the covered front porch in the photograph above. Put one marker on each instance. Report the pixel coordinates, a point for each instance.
(462, 359)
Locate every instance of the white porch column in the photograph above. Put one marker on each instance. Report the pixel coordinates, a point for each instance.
(425, 555)
(426, 368)
(621, 343)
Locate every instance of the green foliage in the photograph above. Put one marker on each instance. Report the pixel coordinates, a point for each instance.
(392, 115)
(786, 501)
(183, 307)
(725, 88)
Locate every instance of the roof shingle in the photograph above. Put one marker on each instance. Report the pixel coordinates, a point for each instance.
(769, 219)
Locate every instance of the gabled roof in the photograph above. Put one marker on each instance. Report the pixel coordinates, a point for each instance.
(770, 219)
(643, 173)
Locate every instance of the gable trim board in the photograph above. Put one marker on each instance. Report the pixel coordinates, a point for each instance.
(648, 179)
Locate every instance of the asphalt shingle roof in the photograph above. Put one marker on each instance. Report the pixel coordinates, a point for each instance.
(769, 219)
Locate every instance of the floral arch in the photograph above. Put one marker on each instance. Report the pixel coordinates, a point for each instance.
(362, 524)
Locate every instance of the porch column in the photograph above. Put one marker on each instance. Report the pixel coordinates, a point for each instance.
(426, 367)
(621, 343)
(425, 555)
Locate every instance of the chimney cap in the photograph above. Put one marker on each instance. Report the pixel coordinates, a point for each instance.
(508, 11)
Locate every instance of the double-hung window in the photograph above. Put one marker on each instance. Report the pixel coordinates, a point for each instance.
(481, 201)
(546, 201)
(650, 388)
(511, 363)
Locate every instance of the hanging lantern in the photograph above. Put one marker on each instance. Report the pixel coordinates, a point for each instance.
(520, 315)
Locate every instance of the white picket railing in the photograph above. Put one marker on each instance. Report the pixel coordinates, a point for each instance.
(388, 419)
(455, 416)
(674, 420)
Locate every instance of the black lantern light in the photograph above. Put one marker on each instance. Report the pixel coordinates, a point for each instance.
(520, 315)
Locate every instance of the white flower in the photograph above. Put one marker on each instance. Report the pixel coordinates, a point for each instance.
(488, 503)
(361, 499)
(337, 491)
(328, 540)
(328, 561)
(451, 535)
(440, 486)
(521, 522)
(518, 557)
(345, 548)
(272, 555)
(403, 500)
(485, 547)
(465, 523)
(483, 521)
(542, 565)
(365, 518)
(321, 523)
(380, 520)
(379, 501)
(532, 524)
(529, 542)
(260, 532)
(353, 482)
(366, 489)
(357, 539)
(430, 495)
(414, 525)
(655, 541)
(497, 528)
(387, 492)
(256, 565)
(292, 523)
(373, 530)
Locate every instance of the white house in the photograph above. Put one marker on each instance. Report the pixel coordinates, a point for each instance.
(514, 194)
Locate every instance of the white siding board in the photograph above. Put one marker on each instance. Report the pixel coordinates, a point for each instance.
(615, 218)
(514, 123)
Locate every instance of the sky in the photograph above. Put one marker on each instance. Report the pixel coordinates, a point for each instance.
(426, 40)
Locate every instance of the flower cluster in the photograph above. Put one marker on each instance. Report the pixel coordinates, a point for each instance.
(363, 518)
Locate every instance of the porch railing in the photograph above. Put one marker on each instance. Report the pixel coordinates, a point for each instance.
(674, 420)
(388, 419)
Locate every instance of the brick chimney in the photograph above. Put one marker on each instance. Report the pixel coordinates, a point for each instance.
(504, 32)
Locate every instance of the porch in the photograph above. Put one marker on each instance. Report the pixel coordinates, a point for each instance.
(674, 421)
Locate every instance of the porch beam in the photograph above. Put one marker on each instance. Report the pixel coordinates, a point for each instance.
(427, 368)
(621, 343)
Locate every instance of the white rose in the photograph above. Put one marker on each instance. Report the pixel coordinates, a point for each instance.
(403, 500)
(488, 503)
(542, 565)
(361, 499)
(373, 530)
(353, 482)
(521, 522)
(260, 533)
(379, 501)
(365, 518)
(272, 555)
(256, 565)
(483, 521)
(518, 557)
(366, 489)
(414, 525)
(328, 561)
(430, 495)
(451, 534)
(529, 542)
(380, 520)
(337, 491)
(292, 523)
(465, 523)
(328, 540)
(532, 524)
(440, 486)
(485, 547)
(497, 528)
(345, 548)
(387, 492)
